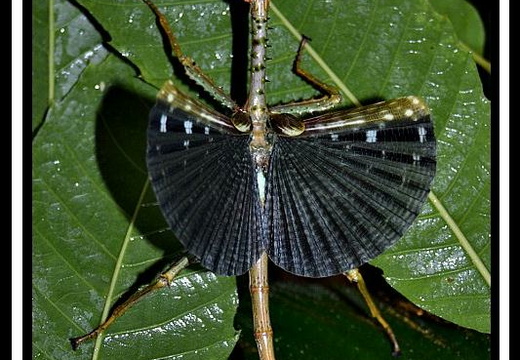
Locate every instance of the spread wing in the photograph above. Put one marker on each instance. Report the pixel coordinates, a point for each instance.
(349, 186)
(201, 172)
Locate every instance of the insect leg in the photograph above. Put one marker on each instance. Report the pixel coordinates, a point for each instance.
(163, 280)
(259, 289)
(192, 70)
(355, 276)
(331, 96)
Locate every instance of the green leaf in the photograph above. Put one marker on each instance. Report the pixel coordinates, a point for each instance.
(40, 55)
(443, 263)
(468, 27)
(64, 43)
(98, 234)
(466, 22)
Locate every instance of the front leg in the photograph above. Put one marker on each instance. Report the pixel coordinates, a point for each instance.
(192, 69)
(330, 98)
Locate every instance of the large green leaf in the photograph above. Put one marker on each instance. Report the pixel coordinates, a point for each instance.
(97, 234)
(443, 263)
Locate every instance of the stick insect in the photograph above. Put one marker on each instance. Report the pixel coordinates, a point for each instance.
(318, 195)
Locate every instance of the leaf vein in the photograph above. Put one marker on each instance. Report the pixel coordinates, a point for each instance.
(466, 245)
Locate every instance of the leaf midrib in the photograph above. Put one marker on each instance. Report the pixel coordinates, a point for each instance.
(463, 241)
(118, 266)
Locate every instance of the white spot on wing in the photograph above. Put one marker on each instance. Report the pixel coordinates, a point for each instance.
(334, 137)
(422, 134)
(371, 136)
(188, 126)
(163, 121)
(206, 130)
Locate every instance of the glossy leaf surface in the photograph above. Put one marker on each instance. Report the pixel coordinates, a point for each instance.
(90, 190)
(466, 22)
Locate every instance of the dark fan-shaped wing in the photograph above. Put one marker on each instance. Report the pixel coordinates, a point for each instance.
(347, 188)
(201, 172)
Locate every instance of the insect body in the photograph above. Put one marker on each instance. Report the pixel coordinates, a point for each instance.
(320, 202)
(319, 195)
